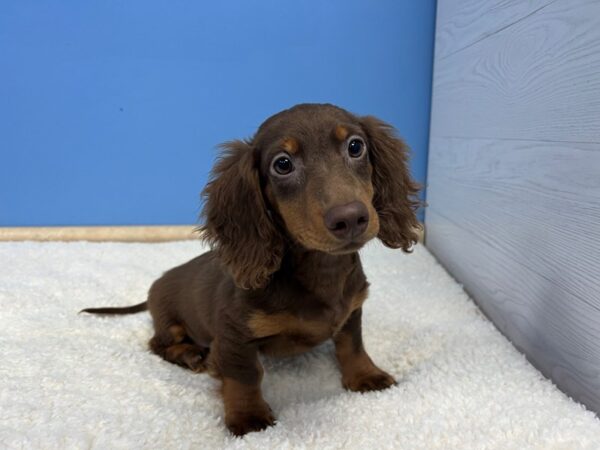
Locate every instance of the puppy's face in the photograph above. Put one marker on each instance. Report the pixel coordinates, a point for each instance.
(316, 175)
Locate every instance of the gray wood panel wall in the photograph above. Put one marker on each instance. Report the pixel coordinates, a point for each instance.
(514, 175)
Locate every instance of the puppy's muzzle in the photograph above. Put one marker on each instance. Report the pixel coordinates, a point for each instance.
(348, 221)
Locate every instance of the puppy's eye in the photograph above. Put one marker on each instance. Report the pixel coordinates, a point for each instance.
(356, 148)
(283, 165)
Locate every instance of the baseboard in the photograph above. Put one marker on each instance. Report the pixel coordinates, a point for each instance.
(150, 233)
(146, 233)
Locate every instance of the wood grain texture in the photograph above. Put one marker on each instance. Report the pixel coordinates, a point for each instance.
(555, 331)
(514, 177)
(459, 21)
(537, 79)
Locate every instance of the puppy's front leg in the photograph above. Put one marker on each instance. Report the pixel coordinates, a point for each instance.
(358, 371)
(238, 366)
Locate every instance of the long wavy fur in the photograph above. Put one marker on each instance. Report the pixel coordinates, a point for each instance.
(236, 223)
(395, 198)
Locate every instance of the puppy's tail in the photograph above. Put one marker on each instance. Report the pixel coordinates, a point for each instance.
(123, 310)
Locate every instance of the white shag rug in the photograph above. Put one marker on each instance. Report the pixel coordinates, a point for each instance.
(81, 381)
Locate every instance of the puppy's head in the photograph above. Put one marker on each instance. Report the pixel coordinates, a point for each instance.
(313, 175)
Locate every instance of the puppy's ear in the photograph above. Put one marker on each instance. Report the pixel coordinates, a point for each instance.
(236, 222)
(395, 198)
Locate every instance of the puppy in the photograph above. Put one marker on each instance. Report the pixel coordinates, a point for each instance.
(285, 214)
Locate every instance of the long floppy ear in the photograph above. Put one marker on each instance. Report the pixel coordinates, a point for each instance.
(236, 222)
(395, 198)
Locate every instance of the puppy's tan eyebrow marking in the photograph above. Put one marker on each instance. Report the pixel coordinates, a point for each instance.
(290, 145)
(340, 132)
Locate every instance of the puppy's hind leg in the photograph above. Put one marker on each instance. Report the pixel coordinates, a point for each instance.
(174, 345)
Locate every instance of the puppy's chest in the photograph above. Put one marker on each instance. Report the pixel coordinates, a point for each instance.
(287, 333)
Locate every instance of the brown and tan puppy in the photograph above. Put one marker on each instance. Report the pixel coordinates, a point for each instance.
(285, 213)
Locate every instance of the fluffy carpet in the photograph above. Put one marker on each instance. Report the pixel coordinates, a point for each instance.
(81, 381)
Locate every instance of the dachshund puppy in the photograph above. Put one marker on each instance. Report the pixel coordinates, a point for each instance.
(285, 214)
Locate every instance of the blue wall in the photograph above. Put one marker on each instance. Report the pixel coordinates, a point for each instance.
(110, 111)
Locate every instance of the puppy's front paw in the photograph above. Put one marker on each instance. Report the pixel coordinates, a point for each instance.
(376, 380)
(242, 422)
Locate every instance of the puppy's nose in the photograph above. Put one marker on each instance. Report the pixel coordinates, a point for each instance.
(347, 221)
